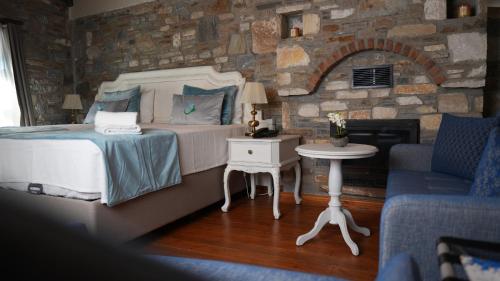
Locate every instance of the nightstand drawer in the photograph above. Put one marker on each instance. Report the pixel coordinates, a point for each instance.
(250, 152)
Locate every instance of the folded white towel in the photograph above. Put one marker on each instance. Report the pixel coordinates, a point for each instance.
(115, 119)
(119, 130)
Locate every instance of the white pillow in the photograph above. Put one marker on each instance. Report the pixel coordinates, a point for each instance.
(162, 107)
(147, 105)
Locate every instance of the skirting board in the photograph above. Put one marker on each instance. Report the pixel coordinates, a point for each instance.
(138, 216)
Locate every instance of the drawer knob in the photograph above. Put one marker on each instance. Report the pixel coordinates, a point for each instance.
(250, 152)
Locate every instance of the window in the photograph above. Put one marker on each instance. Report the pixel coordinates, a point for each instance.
(10, 113)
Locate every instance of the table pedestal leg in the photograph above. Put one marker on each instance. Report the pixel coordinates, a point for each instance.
(335, 214)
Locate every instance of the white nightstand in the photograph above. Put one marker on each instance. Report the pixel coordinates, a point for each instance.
(264, 155)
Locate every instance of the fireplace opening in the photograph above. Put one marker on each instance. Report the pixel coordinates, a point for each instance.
(372, 172)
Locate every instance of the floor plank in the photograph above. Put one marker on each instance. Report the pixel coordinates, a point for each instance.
(248, 233)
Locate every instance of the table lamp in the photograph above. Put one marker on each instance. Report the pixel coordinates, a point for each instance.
(73, 103)
(254, 93)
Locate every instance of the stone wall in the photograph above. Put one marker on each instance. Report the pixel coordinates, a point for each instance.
(492, 89)
(439, 64)
(47, 52)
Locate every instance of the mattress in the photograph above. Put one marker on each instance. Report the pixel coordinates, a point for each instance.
(75, 168)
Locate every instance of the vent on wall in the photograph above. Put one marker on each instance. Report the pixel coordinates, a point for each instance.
(372, 77)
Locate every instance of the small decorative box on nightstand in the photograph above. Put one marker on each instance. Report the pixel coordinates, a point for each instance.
(265, 155)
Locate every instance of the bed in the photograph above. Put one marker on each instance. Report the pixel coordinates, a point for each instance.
(75, 193)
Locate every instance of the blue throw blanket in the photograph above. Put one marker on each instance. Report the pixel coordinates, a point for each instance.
(135, 164)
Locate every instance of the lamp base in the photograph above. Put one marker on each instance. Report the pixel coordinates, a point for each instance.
(252, 123)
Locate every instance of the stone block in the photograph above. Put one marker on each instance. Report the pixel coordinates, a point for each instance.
(383, 23)
(380, 112)
(333, 105)
(265, 35)
(478, 104)
(341, 13)
(292, 92)
(164, 62)
(430, 122)
(453, 103)
(412, 100)
(237, 44)
(435, 48)
(415, 89)
(477, 72)
(308, 110)
(133, 63)
(354, 94)
(205, 55)
(207, 29)
(360, 114)
(467, 46)
(226, 16)
(196, 15)
(466, 83)
(424, 109)
(221, 59)
(435, 9)
(327, 6)
(285, 115)
(293, 8)
(93, 52)
(176, 40)
(311, 24)
(244, 26)
(454, 71)
(284, 78)
(412, 30)
(291, 56)
(88, 38)
(420, 79)
(219, 51)
(379, 93)
(337, 85)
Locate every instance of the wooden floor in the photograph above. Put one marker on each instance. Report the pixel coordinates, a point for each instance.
(248, 233)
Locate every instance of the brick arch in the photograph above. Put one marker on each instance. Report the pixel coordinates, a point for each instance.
(387, 45)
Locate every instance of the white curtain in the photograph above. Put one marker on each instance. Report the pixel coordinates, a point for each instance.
(10, 113)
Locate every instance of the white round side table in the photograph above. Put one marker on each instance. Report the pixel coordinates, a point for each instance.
(335, 214)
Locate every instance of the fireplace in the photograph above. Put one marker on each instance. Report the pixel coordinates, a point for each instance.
(372, 172)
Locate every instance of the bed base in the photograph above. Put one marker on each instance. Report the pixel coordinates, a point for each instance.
(138, 216)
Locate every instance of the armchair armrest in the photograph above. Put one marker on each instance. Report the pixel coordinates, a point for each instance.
(414, 157)
(413, 223)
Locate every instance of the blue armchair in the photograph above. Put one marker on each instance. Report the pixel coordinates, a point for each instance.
(422, 206)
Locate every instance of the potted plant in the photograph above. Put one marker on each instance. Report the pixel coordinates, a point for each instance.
(339, 134)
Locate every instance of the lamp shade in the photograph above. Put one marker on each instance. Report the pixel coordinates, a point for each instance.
(254, 93)
(72, 102)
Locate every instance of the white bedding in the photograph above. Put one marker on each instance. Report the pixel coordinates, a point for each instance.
(75, 168)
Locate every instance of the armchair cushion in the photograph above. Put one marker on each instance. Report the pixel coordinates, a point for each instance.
(400, 268)
(487, 178)
(413, 223)
(459, 144)
(413, 157)
(402, 182)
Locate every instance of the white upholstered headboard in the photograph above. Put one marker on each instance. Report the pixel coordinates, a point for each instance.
(170, 82)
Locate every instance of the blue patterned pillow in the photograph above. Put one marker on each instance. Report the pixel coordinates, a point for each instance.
(487, 179)
(227, 105)
(459, 144)
(133, 94)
